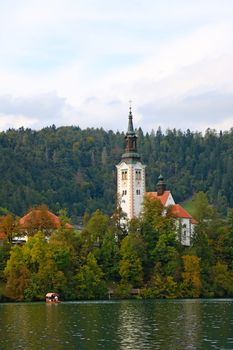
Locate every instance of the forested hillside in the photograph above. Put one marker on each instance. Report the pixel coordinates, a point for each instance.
(75, 169)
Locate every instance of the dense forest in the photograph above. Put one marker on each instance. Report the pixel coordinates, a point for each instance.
(103, 258)
(71, 168)
(75, 169)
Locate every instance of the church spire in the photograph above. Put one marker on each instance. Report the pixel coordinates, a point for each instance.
(130, 122)
(131, 152)
(131, 176)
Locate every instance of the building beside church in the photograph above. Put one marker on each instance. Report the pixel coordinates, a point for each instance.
(131, 188)
(37, 219)
(185, 223)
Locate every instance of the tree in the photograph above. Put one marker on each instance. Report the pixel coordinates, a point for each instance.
(222, 280)
(92, 237)
(120, 223)
(63, 216)
(4, 256)
(10, 226)
(227, 241)
(17, 275)
(159, 233)
(90, 283)
(203, 211)
(191, 286)
(132, 254)
(37, 267)
(161, 287)
(166, 254)
(109, 256)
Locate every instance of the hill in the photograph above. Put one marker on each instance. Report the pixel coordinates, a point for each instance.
(71, 168)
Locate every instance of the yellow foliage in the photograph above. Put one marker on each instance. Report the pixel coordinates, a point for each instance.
(191, 275)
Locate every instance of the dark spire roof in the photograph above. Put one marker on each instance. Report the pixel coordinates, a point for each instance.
(161, 185)
(160, 178)
(131, 153)
(130, 123)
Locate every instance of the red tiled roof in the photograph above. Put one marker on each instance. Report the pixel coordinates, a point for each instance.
(2, 236)
(163, 198)
(176, 209)
(194, 222)
(36, 215)
(180, 212)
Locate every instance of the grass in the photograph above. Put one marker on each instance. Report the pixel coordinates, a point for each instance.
(188, 205)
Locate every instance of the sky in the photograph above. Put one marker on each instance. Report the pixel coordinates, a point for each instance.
(79, 62)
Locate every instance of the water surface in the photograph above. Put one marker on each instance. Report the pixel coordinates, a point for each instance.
(113, 325)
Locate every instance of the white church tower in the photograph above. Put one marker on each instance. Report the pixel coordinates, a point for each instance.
(131, 179)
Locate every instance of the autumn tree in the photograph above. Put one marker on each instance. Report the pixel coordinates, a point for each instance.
(10, 226)
(191, 286)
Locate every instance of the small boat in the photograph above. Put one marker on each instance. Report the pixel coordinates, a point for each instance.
(52, 298)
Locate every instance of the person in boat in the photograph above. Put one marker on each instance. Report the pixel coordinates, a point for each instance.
(52, 298)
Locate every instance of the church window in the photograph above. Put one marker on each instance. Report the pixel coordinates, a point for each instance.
(124, 175)
(138, 192)
(124, 193)
(138, 175)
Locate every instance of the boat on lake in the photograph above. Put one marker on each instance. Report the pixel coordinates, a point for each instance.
(52, 298)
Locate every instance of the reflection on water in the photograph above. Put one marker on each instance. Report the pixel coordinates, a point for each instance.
(165, 324)
(118, 325)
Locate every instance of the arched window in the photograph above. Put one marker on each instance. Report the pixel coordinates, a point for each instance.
(124, 175)
(138, 175)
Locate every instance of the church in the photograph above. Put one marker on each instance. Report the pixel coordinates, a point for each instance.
(131, 188)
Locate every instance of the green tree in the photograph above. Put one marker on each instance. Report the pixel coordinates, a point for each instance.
(222, 280)
(202, 211)
(4, 256)
(132, 256)
(159, 233)
(109, 256)
(17, 275)
(161, 287)
(90, 282)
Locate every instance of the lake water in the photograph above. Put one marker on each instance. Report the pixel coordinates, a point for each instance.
(113, 325)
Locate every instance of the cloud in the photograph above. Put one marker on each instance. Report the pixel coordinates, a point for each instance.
(213, 109)
(34, 112)
(174, 59)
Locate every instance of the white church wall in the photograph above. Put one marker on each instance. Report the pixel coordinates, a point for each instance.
(185, 231)
(131, 187)
(170, 200)
(138, 180)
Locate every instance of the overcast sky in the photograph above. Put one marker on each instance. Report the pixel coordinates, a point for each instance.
(79, 62)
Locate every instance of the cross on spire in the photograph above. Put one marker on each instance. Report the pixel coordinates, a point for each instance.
(130, 105)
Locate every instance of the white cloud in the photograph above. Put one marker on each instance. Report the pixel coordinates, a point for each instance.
(80, 62)
(34, 111)
(16, 121)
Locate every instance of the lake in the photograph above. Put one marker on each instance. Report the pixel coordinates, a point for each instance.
(112, 325)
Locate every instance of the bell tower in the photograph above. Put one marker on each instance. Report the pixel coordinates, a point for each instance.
(131, 179)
